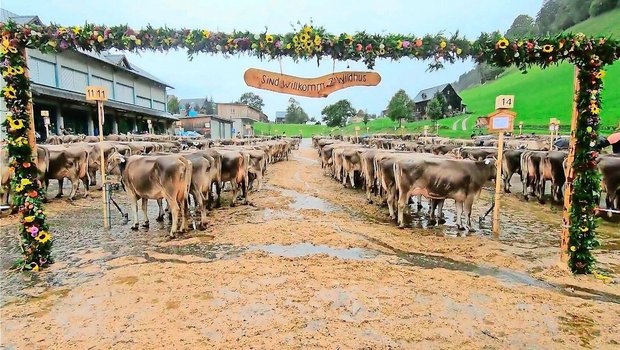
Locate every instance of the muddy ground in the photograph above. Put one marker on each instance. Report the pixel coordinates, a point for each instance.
(308, 265)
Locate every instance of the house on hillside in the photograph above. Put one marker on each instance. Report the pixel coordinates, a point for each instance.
(210, 126)
(455, 102)
(280, 117)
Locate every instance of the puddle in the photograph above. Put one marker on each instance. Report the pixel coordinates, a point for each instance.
(304, 201)
(305, 249)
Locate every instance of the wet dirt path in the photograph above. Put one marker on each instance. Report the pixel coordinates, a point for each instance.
(309, 264)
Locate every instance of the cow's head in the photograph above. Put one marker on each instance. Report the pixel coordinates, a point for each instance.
(116, 163)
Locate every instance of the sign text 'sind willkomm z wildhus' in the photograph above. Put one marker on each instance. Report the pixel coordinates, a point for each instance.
(309, 87)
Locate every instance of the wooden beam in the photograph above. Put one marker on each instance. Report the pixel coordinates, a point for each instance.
(568, 187)
(32, 140)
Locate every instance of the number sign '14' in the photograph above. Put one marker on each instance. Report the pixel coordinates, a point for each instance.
(504, 102)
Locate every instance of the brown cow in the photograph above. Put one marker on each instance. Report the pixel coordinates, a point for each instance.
(235, 170)
(438, 179)
(156, 177)
(531, 162)
(511, 164)
(70, 162)
(609, 166)
(552, 168)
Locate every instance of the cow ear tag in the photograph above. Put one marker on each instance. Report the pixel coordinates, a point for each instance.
(487, 161)
(122, 160)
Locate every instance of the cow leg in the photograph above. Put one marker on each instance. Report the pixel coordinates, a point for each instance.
(145, 203)
(403, 198)
(541, 191)
(459, 213)
(467, 205)
(61, 183)
(419, 202)
(86, 182)
(432, 221)
(441, 220)
(506, 179)
(352, 178)
(218, 189)
(75, 182)
(134, 205)
(174, 208)
(160, 216)
(235, 192)
(390, 202)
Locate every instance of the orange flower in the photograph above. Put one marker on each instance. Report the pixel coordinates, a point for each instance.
(26, 165)
(418, 42)
(33, 194)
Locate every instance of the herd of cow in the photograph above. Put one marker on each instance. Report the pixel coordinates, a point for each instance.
(439, 168)
(160, 168)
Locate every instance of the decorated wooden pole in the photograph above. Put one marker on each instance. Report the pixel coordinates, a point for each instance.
(502, 120)
(570, 175)
(99, 94)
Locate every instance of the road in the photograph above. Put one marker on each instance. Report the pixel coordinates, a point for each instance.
(309, 265)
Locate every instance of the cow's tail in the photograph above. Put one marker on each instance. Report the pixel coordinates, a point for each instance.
(396, 176)
(246, 172)
(83, 169)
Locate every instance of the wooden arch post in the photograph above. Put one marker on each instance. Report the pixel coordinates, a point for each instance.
(570, 175)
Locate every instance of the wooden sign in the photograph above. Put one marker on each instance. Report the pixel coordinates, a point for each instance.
(309, 87)
(357, 128)
(504, 102)
(96, 93)
(501, 120)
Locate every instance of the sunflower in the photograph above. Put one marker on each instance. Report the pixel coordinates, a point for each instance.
(503, 43)
(595, 110)
(19, 70)
(269, 38)
(573, 248)
(29, 218)
(19, 188)
(288, 46)
(33, 266)
(100, 39)
(26, 182)
(206, 33)
(317, 40)
(381, 51)
(547, 48)
(307, 44)
(76, 30)
(443, 44)
(43, 237)
(16, 124)
(295, 39)
(601, 74)
(307, 29)
(304, 38)
(399, 44)
(348, 40)
(9, 92)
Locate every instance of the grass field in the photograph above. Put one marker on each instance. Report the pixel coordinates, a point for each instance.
(539, 95)
(543, 94)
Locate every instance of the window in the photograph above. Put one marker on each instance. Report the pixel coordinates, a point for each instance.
(42, 72)
(99, 81)
(74, 80)
(160, 106)
(124, 93)
(143, 101)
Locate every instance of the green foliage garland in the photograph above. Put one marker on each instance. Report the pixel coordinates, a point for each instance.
(589, 54)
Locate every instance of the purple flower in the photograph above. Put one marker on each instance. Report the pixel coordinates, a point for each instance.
(63, 45)
(406, 43)
(278, 44)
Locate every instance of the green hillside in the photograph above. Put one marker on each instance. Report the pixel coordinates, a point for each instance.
(542, 94)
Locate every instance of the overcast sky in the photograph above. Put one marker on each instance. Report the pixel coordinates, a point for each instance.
(222, 78)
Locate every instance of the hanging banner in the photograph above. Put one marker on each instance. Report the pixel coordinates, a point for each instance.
(309, 87)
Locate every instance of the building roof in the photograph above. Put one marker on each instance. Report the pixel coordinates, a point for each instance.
(192, 101)
(428, 94)
(118, 60)
(76, 96)
(200, 115)
(5, 15)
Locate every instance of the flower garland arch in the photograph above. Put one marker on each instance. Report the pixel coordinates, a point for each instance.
(588, 54)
